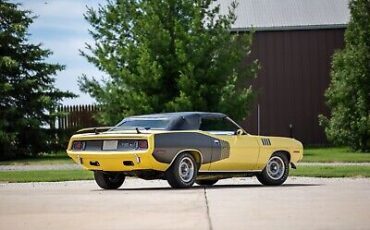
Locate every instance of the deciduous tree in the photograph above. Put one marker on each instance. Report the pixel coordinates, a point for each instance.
(348, 95)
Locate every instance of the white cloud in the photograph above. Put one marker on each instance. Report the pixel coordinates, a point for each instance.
(59, 15)
(57, 8)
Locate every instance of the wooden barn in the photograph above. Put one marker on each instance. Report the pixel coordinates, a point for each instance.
(294, 43)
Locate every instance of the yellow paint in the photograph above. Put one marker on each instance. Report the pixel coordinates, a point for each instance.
(244, 150)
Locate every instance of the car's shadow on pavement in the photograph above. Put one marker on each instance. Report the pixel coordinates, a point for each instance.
(214, 187)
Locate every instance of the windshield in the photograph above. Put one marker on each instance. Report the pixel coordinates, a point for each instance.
(142, 123)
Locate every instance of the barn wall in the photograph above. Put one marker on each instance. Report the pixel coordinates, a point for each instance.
(292, 81)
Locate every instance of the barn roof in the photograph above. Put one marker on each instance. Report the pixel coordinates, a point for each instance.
(289, 14)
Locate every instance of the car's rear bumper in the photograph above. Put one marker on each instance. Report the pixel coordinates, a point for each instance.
(115, 161)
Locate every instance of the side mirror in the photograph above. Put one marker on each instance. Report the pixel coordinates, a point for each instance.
(239, 132)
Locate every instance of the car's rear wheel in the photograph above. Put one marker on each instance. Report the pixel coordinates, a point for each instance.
(276, 171)
(182, 172)
(206, 182)
(109, 180)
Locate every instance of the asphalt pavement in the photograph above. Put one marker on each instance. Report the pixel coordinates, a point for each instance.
(239, 203)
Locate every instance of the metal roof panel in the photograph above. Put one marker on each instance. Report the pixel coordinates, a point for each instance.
(288, 14)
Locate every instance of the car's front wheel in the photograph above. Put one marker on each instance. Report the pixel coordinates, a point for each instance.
(276, 171)
(109, 180)
(182, 172)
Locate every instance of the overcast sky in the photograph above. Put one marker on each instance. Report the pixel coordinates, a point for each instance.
(60, 27)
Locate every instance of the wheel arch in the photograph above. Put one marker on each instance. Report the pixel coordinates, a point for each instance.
(285, 152)
(194, 152)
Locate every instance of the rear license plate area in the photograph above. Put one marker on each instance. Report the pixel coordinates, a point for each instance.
(110, 145)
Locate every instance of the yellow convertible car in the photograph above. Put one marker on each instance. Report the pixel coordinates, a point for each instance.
(183, 148)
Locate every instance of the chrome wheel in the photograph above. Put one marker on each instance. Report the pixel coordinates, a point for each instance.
(275, 168)
(186, 169)
(276, 171)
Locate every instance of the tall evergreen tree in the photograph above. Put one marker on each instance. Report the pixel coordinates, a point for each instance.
(167, 55)
(27, 93)
(348, 95)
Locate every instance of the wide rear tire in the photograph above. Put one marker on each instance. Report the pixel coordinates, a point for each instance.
(183, 171)
(109, 180)
(276, 171)
(206, 182)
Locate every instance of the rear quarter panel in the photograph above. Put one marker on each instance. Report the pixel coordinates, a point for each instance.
(168, 145)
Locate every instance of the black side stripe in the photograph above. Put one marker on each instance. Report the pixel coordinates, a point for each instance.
(168, 145)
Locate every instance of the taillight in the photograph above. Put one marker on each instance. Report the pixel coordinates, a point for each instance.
(78, 145)
(142, 144)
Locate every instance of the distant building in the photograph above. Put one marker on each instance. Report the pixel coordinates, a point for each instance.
(294, 42)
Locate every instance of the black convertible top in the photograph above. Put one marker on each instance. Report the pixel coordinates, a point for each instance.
(183, 114)
(182, 120)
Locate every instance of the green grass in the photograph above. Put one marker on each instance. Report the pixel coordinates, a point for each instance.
(331, 171)
(49, 159)
(45, 176)
(334, 154)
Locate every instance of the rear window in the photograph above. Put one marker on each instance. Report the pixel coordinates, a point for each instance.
(143, 123)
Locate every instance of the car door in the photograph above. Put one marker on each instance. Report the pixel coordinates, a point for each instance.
(243, 149)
